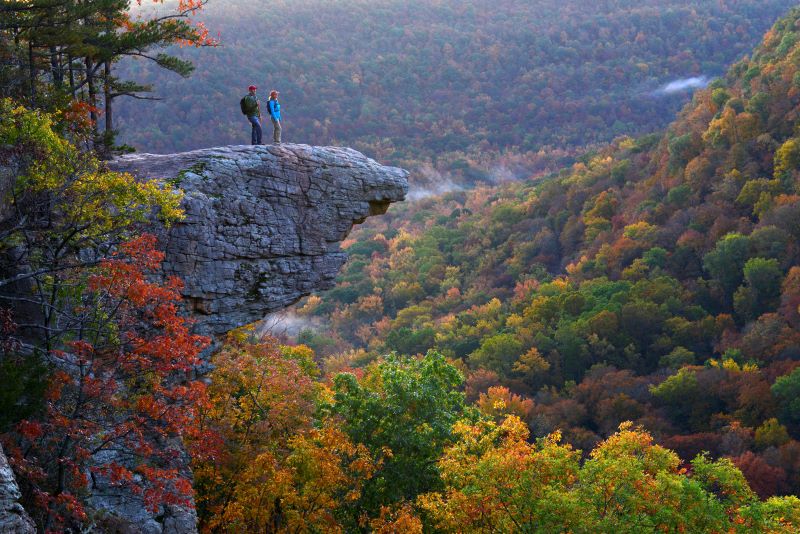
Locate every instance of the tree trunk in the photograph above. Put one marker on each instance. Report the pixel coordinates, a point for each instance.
(92, 95)
(32, 73)
(56, 67)
(17, 56)
(108, 98)
(71, 75)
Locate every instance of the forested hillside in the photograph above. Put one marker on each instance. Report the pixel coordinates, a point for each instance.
(483, 91)
(613, 347)
(657, 280)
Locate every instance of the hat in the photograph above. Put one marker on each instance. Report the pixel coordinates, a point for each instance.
(252, 88)
(274, 93)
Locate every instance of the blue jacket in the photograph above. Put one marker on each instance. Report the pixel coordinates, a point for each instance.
(274, 108)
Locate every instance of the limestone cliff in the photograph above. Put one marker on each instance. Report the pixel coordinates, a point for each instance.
(263, 223)
(13, 519)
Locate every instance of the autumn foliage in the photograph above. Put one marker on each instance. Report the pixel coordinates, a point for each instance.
(365, 464)
(613, 348)
(271, 468)
(655, 281)
(120, 400)
(467, 92)
(98, 362)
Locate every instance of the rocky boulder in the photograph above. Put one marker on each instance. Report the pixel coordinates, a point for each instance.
(263, 223)
(13, 519)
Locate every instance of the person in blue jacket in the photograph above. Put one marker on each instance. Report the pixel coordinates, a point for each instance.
(274, 110)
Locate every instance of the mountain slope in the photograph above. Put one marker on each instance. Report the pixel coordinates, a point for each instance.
(661, 274)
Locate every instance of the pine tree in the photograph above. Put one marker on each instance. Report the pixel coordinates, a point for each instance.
(56, 51)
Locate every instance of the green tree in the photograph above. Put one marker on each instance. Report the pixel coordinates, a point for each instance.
(67, 50)
(787, 389)
(678, 393)
(65, 212)
(410, 342)
(403, 409)
(719, 96)
(679, 357)
(681, 150)
(771, 434)
(497, 353)
(787, 158)
(726, 262)
(762, 291)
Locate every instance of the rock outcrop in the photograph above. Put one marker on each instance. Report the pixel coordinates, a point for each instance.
(263, 223)
(13, 519)
(261, 230)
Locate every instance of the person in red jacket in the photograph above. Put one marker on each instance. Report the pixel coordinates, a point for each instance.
(251, 108)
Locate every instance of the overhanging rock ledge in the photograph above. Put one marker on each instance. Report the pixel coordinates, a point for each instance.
(263, 223)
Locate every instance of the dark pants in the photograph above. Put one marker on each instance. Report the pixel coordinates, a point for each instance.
(255, 136)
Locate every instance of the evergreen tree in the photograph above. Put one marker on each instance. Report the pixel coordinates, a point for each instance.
(56, 51)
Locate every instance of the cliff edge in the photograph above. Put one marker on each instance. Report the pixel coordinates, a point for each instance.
(263, 223)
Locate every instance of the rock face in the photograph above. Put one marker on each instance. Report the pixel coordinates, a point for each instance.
(13, 519)
(263, 223)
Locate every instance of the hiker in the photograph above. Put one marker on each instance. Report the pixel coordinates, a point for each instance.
(274, 110)
(251, 108)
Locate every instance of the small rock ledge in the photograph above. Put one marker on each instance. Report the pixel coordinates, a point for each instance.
(263, 223)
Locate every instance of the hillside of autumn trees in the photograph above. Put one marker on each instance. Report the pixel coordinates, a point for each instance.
(107, 399)
(611, 348)
(478, 91)
(656, 280)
